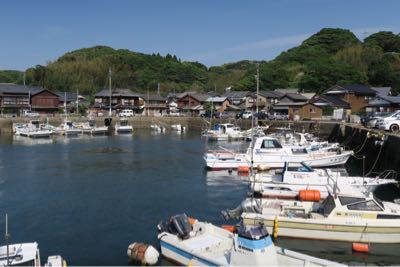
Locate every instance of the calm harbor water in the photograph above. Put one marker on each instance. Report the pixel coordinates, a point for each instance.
(88, 198)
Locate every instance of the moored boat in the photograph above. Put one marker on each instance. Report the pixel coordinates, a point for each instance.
(290, 180)
(203, 244)
(341, 217)
(123, 126)
(267, 151)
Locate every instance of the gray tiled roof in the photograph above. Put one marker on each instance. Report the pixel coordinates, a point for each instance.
(236, 94)
(352, 88)
(11, 88)
(330, 100)
(117, 92)
(383, 91)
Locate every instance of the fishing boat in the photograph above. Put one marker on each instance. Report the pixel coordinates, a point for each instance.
(91, 128)
(340, 217)
(268, 152)
(123, 127)
(224, 132)
(26, 254)
(157, 128)
(286, 183)
(32, 129)
(67, 128)
(190, 242)
(178, 127)
(256, 132)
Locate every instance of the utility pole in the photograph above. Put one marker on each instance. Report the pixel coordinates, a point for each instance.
(24, 78)
(77, 101)
(158, 88)
(109, 80)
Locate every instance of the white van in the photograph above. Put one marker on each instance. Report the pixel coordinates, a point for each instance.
(126, 113)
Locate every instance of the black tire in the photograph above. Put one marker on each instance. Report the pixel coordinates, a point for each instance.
(394, 128)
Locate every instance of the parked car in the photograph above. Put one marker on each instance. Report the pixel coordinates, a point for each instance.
(278, 116)
(247, 114)
(30, 113)
(261, 115)
(239, 114)
(371, 119)
(174, 114)
(390, 123)
(221, 115)
(126, 113)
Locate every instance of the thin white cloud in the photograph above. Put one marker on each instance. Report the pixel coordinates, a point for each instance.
(283, 42)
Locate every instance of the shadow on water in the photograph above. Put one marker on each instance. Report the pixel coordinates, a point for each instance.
(88, 198)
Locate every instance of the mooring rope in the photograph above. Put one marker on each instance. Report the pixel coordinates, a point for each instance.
(362, 146)
(376, 161)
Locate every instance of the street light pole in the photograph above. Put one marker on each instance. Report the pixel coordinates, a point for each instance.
(109, 80)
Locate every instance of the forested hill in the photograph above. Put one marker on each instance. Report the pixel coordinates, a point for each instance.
(328, 57)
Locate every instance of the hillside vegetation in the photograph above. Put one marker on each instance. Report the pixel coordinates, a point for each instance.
(328, 57)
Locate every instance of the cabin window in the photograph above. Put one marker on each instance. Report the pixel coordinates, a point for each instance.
(270, 144)
(349, 200)
(299, 151)
(366, 205)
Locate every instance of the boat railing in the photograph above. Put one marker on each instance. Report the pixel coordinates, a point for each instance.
(386, 174)
(332, 185)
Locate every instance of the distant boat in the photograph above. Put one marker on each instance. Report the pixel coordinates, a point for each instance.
(32, 129)
(224, 132)
(123, 126)
(91, 128)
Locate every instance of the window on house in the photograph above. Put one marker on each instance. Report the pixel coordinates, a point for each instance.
(312, 110)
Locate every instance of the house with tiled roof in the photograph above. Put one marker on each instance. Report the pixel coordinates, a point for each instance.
(14, 98)
(356, 95)
(120, 99)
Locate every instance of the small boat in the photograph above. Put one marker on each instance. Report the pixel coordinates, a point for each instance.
(340, 217)
(33, 129)
(26, 254)
(91, 128)
(178, 127)
(224, 132)
(286, 183)
(189, 242)
(269, 152)
(157, 128)
(123, 127)
(68, 129)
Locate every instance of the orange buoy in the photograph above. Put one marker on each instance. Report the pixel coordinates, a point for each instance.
(309, 195)
(230, 228)
(192, 220)
(360, 247)
(243, 169)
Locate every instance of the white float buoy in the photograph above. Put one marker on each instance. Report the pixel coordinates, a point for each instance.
(145, 254)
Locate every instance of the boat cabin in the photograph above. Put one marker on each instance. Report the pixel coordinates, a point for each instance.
(25, 254)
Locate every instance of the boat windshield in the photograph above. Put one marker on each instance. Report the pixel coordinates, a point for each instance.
(327, 206)
(369, 205)
(252, 232)
(270, 143)
(304, 168)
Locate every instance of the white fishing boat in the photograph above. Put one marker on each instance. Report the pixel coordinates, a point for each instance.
(178, 127)
(258, 131)
(203, 244)
(224, 132)
(157, 128)
(268, 152)
(123, 127)
(340, 217)
(286, 183)
(91, 128)
(67, 128)
(33, 129)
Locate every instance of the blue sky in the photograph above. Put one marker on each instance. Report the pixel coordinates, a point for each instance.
(211, 32)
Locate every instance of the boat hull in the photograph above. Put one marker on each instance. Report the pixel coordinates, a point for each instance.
(233, 161)
(331, 231)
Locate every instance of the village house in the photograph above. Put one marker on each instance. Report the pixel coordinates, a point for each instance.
(356, 95)
(120, 99)
(266, 99)
(290, 104)
(192, 102)
(219, 103)
(331, 107)
(154, 105)
(15, 98)
(237, 98)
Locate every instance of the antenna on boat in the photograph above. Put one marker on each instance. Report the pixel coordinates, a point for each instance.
(7, 237)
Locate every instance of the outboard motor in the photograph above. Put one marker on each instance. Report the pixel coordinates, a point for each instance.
(180, 225)
(248, 205)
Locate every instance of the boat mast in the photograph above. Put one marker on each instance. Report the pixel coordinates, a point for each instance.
(258, 85)
(7, 237)
(65, 104)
